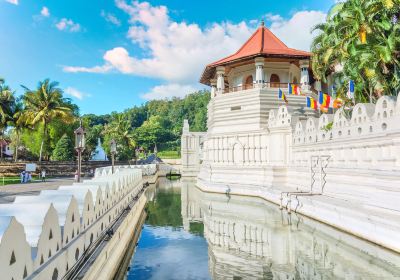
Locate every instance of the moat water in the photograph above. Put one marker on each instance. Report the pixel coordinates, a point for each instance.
(189, 234)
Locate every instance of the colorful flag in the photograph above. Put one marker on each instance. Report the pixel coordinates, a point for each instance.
(324, 100)
(324, 109)
(337, 103)
(350, 92)
(293, 89)
(311, 103)
(282, 96)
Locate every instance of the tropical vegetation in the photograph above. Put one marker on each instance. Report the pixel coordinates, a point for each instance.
(40, 124)
(360, 41)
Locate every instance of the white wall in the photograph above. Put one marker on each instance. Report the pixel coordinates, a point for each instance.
(48, 233)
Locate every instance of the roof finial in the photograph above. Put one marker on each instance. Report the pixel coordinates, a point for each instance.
(262, 23)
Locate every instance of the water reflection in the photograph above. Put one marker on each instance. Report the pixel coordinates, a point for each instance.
(249, 238)
(166, 250)
(190, 234)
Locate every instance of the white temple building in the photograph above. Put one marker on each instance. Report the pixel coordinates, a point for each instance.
(340, 169)
(99, 154)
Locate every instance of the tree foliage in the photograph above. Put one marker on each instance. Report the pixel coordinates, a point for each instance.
(42, 123)
(64, 149)
(361, 38)
(43, 106)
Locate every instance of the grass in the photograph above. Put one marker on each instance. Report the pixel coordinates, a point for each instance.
(14, 180)
(169, 154)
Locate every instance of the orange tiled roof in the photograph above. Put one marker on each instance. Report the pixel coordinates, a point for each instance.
(262, 43)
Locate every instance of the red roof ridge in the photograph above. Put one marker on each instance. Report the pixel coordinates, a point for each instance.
(239, 50)
(265, 42)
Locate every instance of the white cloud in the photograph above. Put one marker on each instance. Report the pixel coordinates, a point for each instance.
(110, 18)
(76, 93)
(171, 233)
(168, 91)
(296, 31)
(14, 2)
(177, 52)
(45, 12)
(95, 69)
(68, 25)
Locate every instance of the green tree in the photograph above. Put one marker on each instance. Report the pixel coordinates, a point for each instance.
(18, 126)
(45, 104)
(363, 38)
(7, 103)
(152, 131)
(120, 130)
(64, 150)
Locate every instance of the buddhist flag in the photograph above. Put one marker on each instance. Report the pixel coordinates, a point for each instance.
(337, 103)
(324, 100)
(293, 89)
(350, 92)
(324, 109)
(282, 96)
(311, 103)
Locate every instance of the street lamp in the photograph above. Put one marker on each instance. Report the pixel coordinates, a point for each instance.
(113, 149)
(79, 146)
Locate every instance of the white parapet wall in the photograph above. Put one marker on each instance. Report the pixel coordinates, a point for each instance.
(361, 150)
(43, 236)
(147, 169)
(191, 150)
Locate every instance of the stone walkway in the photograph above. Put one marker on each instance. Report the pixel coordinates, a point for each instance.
(8, 192)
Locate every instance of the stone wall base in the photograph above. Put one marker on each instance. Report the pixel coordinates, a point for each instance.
(354, 217)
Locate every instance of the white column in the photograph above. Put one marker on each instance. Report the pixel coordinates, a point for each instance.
(317, 86)
(304, 78)
(259, 62)
(220, 79)
(213, 83)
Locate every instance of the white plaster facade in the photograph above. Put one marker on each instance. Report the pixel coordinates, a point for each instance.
(191, 150)
(43, 236)
(249, 238)
(265, 151)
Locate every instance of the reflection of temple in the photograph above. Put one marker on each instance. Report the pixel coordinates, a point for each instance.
(250, 238)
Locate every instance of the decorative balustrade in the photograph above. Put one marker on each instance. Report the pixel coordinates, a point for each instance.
(272, 85)
(43, 236)
(369, 137)
(147, 169)
(236, 149)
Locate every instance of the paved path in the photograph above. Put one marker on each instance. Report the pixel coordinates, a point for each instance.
(8, 192)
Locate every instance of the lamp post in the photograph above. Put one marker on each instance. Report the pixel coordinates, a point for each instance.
(79, 146)
(113, 149)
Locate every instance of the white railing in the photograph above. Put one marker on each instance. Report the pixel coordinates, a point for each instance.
(42, 236)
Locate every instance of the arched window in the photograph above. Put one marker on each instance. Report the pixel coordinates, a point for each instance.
(12, 259)
(77, 254)
(248, 84)
(274, 81)
(55, 274)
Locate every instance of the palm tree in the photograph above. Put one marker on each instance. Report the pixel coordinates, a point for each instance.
(7, 102)
(120, 129)
(363, 36)
(43, 105)
(19, 124)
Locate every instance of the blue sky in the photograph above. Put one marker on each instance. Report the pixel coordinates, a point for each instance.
(112, 55)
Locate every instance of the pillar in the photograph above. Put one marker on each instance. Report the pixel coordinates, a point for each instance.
(259, 62)
(318, 86)
(213, 83)
(220, 79)
(185, 129)
(304, 78)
